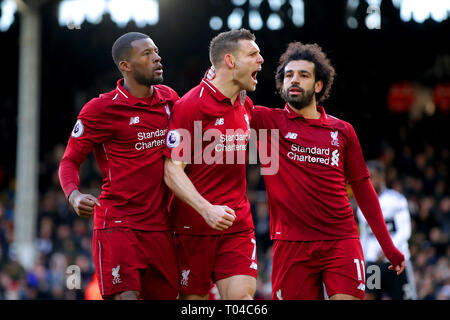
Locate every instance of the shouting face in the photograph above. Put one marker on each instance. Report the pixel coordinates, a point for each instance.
(248, 61)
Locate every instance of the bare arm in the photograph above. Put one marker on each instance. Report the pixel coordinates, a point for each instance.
(216, 216)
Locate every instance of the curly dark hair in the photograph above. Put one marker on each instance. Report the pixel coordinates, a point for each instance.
(323, 70)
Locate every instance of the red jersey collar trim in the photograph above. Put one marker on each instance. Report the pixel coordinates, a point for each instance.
(215, 92)
(322, 120)
(154, 99)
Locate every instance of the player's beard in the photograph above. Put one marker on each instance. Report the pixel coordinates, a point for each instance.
(300, 101)
(146, 80)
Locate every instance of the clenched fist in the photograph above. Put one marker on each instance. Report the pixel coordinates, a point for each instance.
(219, 217)
(83, 204)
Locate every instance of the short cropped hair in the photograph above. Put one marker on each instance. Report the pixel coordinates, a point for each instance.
(122, 46)
(227, 42)
(323, 70)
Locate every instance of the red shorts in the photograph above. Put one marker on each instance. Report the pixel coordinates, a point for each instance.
(203, 259)
(301, 270)
(135, 260)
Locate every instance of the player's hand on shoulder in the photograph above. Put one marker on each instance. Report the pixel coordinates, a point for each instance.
(83, 204)
(219, 217)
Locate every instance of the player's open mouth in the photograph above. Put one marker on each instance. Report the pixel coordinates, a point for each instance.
(254, 74)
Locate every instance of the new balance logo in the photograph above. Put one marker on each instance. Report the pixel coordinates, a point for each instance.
(291, 135)
(335, 158)
(134, 120)
(361, 287)
(115, 274)
(219, 122)
(185, 277)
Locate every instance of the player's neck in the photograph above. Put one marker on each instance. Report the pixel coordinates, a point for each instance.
(308, 112)
(226, 86)
(137, 90)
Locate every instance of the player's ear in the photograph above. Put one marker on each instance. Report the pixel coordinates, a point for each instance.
(124, 66)
(229, 60)
(318, 86)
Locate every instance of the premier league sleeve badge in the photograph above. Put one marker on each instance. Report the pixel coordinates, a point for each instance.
(78, 129)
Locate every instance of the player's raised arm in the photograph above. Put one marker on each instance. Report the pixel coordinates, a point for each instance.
(216, 216)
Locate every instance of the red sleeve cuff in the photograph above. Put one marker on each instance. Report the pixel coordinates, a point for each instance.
(68, 176)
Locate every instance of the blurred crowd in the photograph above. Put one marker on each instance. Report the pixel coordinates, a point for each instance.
(63, 239)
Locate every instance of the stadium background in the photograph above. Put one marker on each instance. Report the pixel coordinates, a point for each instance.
(392, 85)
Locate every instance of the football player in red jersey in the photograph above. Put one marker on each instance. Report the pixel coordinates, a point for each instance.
(214, 231)
(316, 242)
(133, 248)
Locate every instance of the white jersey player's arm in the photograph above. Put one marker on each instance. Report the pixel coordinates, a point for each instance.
(402, 220)
(371, 248)
(362, 223)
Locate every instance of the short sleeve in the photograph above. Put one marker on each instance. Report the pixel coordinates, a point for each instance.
(181, 132)
(93, 126)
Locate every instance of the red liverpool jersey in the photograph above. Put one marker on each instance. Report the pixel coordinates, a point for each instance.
(127, 135)
(307, 197)
(211, 136)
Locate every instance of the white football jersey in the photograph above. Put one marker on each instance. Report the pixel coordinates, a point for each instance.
(398, 221)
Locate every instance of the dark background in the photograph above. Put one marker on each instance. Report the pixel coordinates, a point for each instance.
(77, 66)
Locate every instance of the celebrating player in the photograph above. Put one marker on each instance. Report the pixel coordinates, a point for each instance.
(214, 232)
(133, 248)
(398, 221)
(316, 242)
